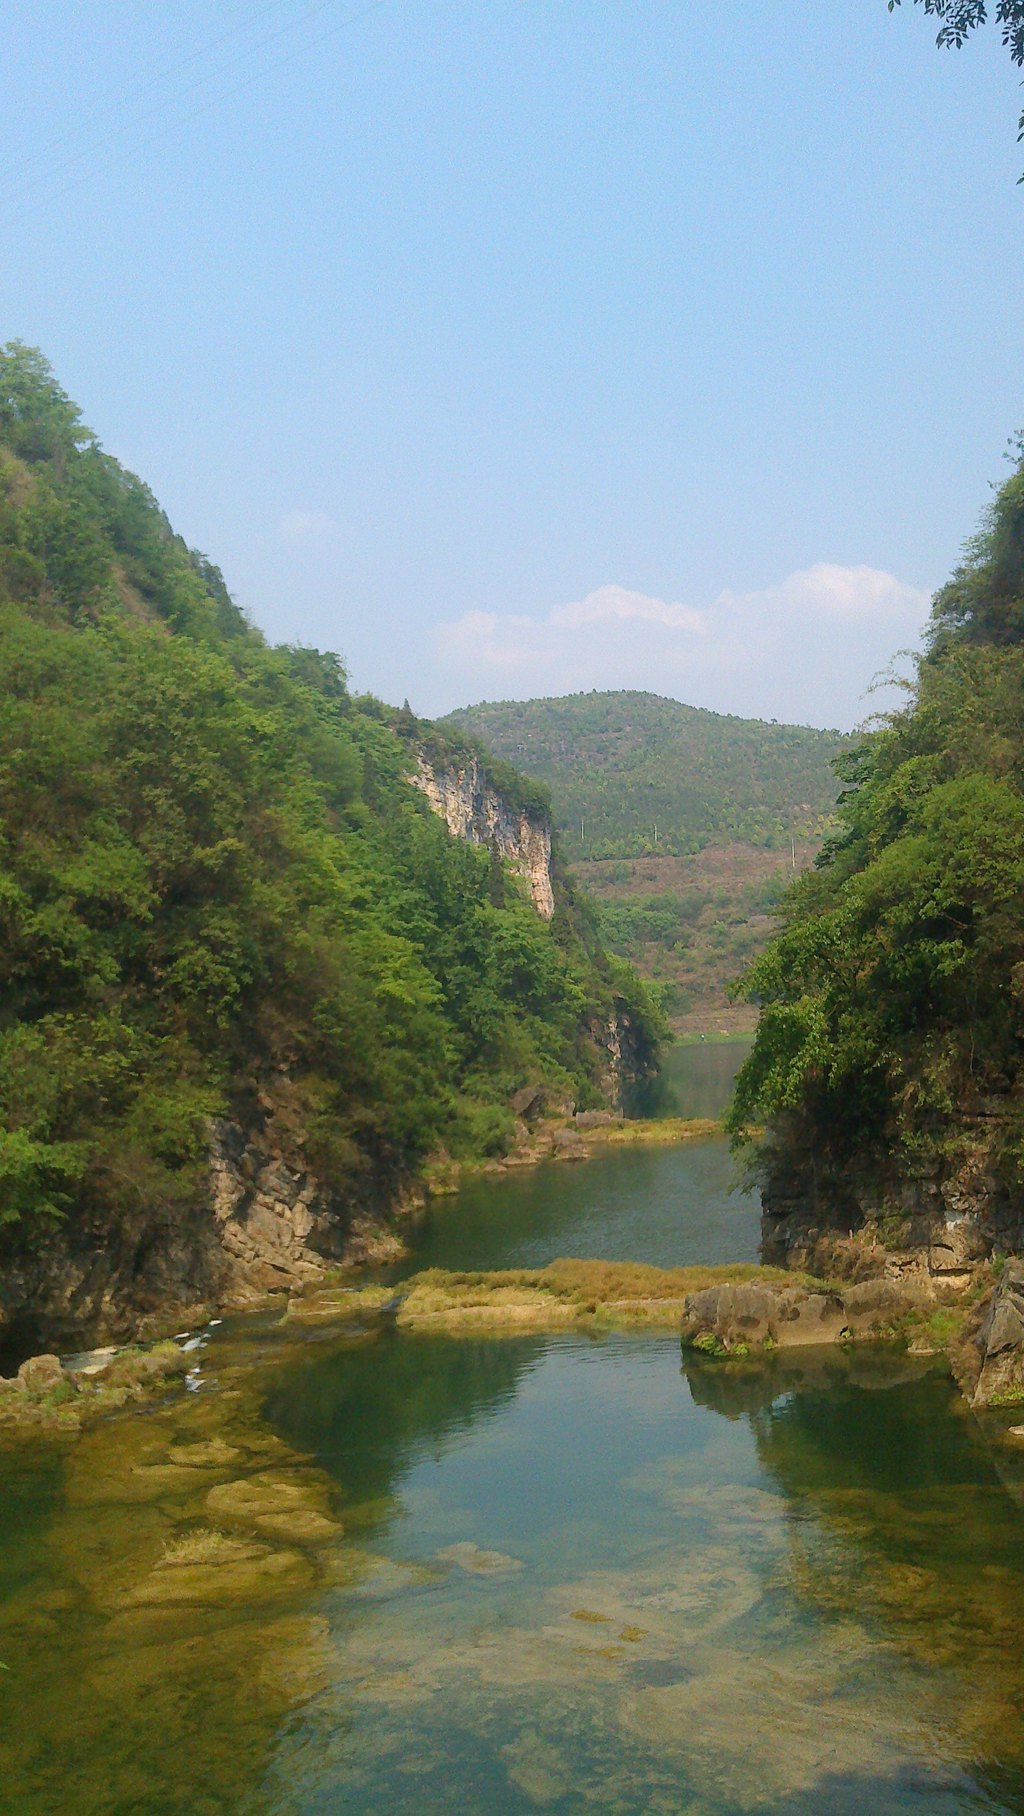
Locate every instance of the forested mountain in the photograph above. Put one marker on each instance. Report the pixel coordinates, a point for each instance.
(633, 774)
(735, 803)
(218, 889)
(891, 1032)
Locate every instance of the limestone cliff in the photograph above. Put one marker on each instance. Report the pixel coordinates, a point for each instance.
(474, 809)
(265, 1224)
(938, 1220)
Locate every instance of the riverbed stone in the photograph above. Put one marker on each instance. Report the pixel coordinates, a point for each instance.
(275, 1507)
(476, 1560)
(41, 1374)
(232, 1571)
(205, 1453)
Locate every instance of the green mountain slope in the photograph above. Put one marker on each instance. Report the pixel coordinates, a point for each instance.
(218, 889)
(736, 803)
(634, 774)
(891, 1034)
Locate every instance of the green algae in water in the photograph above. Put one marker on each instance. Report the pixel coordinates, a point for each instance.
(784, 1654)
(803, 1584)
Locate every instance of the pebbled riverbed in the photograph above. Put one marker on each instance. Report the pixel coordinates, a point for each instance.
(359, 1572)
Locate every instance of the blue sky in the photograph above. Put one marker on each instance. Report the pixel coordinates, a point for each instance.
(516, 349)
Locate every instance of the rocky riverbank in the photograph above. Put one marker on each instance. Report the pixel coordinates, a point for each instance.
(728, 1311)
(268, 1228)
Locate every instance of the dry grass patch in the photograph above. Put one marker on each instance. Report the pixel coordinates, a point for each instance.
(665, 1132)
(619, 1294)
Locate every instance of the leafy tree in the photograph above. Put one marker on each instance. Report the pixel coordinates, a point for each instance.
(961, 17)
(218, 887)
(892, 999)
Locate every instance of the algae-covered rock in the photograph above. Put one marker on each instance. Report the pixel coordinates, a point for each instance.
(144, 1367)
(999, 1342)
(41, 1374)
(205, 1453)
(214, 1569)
(275, 1506)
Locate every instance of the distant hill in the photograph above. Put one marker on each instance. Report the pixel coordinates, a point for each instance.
(634, 774)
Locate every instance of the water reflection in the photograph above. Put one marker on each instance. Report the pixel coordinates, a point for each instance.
(604, 1595)
(696, 1079)
(367, 1414)
(670, 1206)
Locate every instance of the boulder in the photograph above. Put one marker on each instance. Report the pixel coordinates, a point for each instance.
(527, 1103)
(743, 1315)
(41, 1374)
(731, 1314)
(566, 1144)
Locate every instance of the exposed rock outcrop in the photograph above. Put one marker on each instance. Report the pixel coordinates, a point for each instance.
(937, 1222)
(626, 1055)
(473, 809)
(277, 1227)
(735, 1317)
(264, 1226)
(990, 1361)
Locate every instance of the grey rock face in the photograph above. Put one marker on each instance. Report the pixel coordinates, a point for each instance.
(1000, 1341)
(472, 809)
(746, 1315)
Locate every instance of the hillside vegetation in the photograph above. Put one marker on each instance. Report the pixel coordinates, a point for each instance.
(736, 803)
(632, 774)
(217, 888)
(892, 1001)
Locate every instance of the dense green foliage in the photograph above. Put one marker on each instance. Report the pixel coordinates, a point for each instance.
(892, 1000)
(691, 939)
(959, 18)
(641, 774)
(217, 887)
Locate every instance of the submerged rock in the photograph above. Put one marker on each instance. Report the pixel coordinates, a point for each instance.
(476, 1560)
(275, 1507)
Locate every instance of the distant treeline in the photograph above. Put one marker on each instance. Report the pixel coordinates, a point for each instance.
(632, 774)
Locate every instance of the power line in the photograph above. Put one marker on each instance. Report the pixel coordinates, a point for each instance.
(195, 113)
(133, 94)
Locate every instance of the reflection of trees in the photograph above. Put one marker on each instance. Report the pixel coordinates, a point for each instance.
(901, 1520)
(365, 1412)
(735, 1388)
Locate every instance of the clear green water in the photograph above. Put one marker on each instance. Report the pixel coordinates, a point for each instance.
(574, 1576)
(670, 1206)
(695, 1079)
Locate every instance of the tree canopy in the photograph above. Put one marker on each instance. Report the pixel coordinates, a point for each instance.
(218, 888)
(959, 18)
(632, 774)
(892, 999)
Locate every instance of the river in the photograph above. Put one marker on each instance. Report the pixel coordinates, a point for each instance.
(578, 1575)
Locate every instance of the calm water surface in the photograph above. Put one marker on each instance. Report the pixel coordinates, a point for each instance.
(669, 1206)
(576, 1575)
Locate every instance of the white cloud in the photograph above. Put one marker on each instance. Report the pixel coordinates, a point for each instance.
(617, 605)
(309, 526)
(806, 649)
